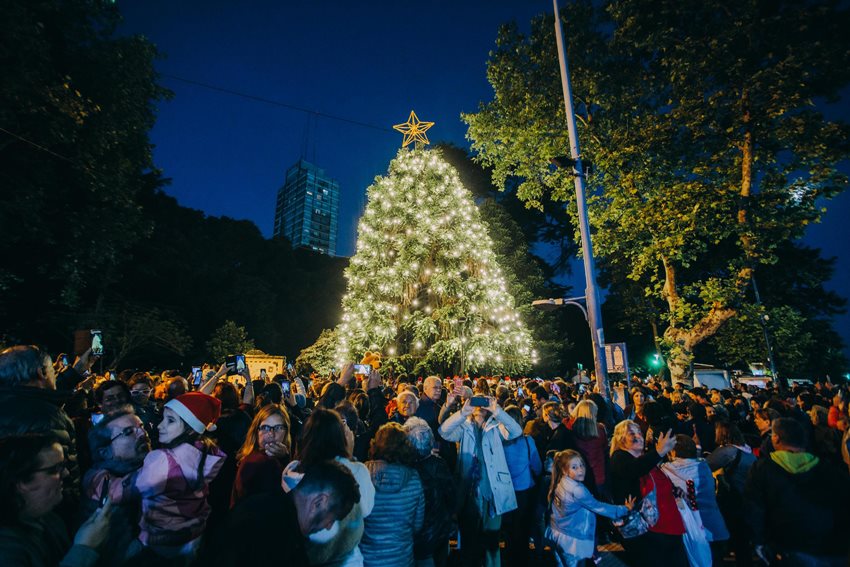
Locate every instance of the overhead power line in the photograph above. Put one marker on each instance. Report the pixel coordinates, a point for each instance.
(278, 103)
(38, 146)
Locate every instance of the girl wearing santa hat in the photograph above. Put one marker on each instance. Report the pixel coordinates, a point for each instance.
(173, 480)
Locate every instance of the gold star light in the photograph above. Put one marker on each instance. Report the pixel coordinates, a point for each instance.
(413, 130)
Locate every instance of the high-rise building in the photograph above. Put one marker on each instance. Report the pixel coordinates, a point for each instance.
(308, 208)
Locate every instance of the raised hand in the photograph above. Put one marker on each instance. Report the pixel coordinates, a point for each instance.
(666, 442)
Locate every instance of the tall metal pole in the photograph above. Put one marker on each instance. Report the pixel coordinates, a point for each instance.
(591, 292)
(779, 381)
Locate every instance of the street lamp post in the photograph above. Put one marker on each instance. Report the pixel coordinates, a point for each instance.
(594, 313)
(552, 304)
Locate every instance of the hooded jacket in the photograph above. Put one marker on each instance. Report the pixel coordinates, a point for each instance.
(797, 503)
(397, 516)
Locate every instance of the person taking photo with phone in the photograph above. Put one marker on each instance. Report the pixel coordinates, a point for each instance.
(480, 427)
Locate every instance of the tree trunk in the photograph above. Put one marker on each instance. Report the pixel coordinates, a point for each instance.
(679, 361)
(682, 342)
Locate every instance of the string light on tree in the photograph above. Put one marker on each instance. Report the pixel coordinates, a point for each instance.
(425, 275)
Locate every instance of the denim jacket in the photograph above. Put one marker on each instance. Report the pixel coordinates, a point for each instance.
(573, 520)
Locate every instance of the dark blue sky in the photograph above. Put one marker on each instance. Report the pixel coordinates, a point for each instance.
(370, 62)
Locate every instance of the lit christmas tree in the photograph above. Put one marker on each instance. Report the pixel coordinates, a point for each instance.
(424, 287)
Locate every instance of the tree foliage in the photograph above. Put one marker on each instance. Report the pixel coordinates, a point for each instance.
(228, 339)
(701, 121)
(76, 103)
(319, 356)
(87, 231)
(132, 329)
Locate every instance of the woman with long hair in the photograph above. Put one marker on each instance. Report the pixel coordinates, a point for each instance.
(325, 437)
(635, 473)
(592, 442)
(264, 454)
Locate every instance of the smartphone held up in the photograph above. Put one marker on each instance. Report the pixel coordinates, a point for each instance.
(235, 364)
(479, 401)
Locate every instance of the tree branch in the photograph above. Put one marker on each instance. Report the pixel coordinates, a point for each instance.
(669, 292)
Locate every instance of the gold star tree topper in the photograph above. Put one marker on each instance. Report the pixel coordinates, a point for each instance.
(413, 130)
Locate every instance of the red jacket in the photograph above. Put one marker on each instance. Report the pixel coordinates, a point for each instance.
(595, 452)
(669, 520)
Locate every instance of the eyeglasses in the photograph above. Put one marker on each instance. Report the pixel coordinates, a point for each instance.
(53, 469)
(115, 398)
(269, 428)
(144, 392)
(128, 431)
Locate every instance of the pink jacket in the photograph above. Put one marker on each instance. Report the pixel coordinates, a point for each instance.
(174, 504)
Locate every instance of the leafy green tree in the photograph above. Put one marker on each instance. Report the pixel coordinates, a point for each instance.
(131, 329)
(320, 356)
(700, 120)
(799, 314)
(76, 105)
(228, 339)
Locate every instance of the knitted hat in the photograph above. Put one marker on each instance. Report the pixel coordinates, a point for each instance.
(198, 410)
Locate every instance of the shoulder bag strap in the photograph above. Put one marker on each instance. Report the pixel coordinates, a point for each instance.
(731, 467)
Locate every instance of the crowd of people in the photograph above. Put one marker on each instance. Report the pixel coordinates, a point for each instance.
(352, 469)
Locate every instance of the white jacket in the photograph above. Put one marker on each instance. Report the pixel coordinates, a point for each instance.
(499, 427)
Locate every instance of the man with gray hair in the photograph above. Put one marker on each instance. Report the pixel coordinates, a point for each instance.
(431, 544)
(30, 403)
(429, 402)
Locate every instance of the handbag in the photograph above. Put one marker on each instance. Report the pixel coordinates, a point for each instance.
(641, 517)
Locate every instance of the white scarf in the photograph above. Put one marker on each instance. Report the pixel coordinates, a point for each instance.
(696, 538)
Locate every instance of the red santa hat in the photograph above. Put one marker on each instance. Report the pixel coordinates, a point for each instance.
(198, 410)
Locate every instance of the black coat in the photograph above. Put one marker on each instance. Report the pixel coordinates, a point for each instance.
(438, 486)
(24, 409)
(260, 530)
(803, 512)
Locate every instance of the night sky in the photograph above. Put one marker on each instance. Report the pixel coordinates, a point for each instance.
(369, 63)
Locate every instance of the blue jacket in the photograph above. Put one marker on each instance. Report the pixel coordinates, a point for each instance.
(573, 522)
(398, 514)
(523, 462)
